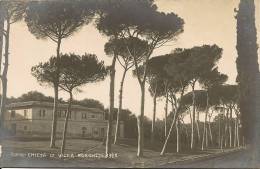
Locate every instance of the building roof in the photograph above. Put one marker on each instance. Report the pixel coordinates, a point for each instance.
(30, 104)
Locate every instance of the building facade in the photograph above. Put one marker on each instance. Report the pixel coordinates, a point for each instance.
(35, 118)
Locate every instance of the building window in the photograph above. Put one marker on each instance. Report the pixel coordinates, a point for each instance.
(40, 113)
(25, 128)
(13, 113)
(84, 116)
(25, 113)
(59, 113)
(64, 113)
(93, 116)
(70, 115)
(95, 131)
(102, 132)
(43, 113)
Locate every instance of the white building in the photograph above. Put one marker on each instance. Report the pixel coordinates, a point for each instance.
(35, 118)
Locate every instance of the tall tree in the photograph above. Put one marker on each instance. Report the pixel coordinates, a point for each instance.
(177, 63)
(210, 80)
(1, 55)
(158, 84)
(104, 8)
(247, 66)
(155, 74)
(228, 99)
(56, 21)
(140, 19)
(156, 34)
(75, 71)
(126, 62)
(11, 11)
(201, 61)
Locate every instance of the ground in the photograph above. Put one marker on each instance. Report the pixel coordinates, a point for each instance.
(22, 153)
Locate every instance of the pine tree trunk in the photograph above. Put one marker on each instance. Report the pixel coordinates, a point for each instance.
(230, 128)
(205, 123)
(235, 133)
(56, 98)
(111, 106)
(207, 138)
(197, 125)
(193, 117)
(210, 131)
(54, 116)
(219, 133)
(154, 114)
(226, 128)
(1, 35)
(169, 133)
(140, 124)
(1, 56)
(120, 106)
(166, 110)
(5, 70)
(238, 137)
(177, 137)
(171, 127)
(68, 113)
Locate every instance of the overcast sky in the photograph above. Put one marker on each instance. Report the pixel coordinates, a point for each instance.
(206, 22)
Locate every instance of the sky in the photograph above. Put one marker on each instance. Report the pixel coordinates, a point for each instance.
(206, 22)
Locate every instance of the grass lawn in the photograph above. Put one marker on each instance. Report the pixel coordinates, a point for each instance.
(125, 154)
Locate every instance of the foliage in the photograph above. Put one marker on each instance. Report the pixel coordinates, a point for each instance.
(201, 99)
(13, 10)
(225, 94)
(46, 72)
(56, 20)
(78, 70)
(212, 79)
(92, 103)
(34, 96)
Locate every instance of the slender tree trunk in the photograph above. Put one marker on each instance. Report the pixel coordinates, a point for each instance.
(226, 128)
(1, 35)
(238, 137)
(219, 133)
(221, 142)
(193, 116)
(111, 106)
(120, 106)
(243, 141)
(54, 116)
(172, 125)
(207, 138)
(205, 123)
(235, 134)
(177, 137)
(56, 99)
(210, 131)
(140, 123)
(1, 56)
(230, 128)
(169, 133)
(154, 114)
(197, 125)
(5, 70)
(66, 124)
(166, 109)
(186, 131)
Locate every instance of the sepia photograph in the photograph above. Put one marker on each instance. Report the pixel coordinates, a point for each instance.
(129, 83)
